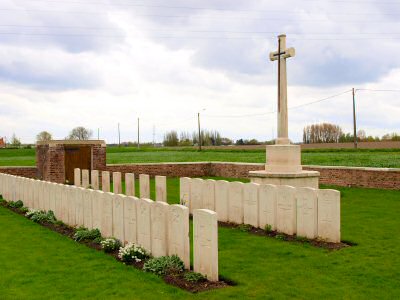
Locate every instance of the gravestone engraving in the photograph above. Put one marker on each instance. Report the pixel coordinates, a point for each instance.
(208, 194)
(250, 204)
(117, 184)
(95, 180)
(184, 191)
(130, 184)
(144, 223)
(85, 179)
(130, 219)
(178, 233)
(286, 209)
(307, 212)
(196, 194)
(222, 200)
(159, 229)
(77, 177)
(205, 249)
(118, 217)
(329, 215)
(107, 215)
(235, 193)
(105, 181)
(267, 198)
(144, 186)
(161, 188)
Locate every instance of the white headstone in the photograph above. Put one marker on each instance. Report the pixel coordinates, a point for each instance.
(250, 204)
(117, 183)
(97, 206)
(329, 215)
(205, 243)
(130, 219)
(184, 191)
(130, 184)
(144, 223)
(77, 177)
(235, 193)
(58, 192)
(118, 217)
(107, 215)
(85, 179)
(71, 205)
(64, 204)
(307, 212)
(161, 188)
(159, 229)
(286, 209)
(208, 194)
(79, 217)
(87, 208)
(196, 194)
(144, 186)
(95, 180)
(105, 181)
(178, 233)
(267, 202)
(222, 200)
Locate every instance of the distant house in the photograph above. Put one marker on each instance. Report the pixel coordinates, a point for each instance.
(2, 143)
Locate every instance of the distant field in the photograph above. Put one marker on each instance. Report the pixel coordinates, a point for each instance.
(387, 158)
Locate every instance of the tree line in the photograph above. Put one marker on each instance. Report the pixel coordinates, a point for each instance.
(332, 133)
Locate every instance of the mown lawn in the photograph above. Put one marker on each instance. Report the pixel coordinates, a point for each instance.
(387, 158)
(36, 263)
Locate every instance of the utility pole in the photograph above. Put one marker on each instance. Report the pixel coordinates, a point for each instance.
(354, 118)
(198, 121)
(138, 130)
(119, 137)
(154, 136)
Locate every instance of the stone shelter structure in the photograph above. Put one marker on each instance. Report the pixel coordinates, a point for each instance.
(56, 160)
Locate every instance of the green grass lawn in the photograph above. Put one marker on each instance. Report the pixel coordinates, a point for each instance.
(387, 158)
(36, 263)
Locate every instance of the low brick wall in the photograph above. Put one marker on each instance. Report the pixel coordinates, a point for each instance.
(30, 172)
(166, 169)
(381, 178)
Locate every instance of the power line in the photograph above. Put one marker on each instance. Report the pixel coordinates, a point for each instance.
(372, 90)
(272, 112)
(195, 31)
(195, 16)
(129, 4)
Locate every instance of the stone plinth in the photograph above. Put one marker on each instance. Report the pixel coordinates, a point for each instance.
(299, 179)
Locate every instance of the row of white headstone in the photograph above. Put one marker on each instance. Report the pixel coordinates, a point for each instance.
(83, 179)
(307, 212)
(160, 228)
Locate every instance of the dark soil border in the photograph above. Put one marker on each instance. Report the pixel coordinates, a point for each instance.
(285, 237)
(176, 280)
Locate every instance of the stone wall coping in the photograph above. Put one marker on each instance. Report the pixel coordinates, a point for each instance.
(260, 164)
(354, 168)
(18, 167)
(72, 142)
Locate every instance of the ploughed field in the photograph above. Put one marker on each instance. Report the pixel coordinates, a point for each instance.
(385, 158)
(37, 263)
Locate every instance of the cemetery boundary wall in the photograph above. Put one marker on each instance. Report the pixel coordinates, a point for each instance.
(381, 178)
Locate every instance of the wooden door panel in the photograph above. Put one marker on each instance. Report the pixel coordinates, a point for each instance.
(76, 157)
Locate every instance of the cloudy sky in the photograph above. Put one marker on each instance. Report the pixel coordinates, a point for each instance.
(97, 63)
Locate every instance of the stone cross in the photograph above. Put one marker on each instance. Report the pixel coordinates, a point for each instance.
(281, 56)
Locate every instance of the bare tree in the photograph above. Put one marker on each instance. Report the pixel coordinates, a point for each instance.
(44, 136)
(322, 133)
(80, 133)
(15, 142)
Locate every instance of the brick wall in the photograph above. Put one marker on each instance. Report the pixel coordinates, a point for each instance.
(99, 157)
(30, 172)
(165, 169)
(341, 176)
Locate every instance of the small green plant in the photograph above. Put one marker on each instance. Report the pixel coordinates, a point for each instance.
(244, 227)
(164, 265)
(84, 234)
(280, 237)
(40, 216)
(194, 277)
(1, 197)
(268, 228)
(16, 204)
(131, 253)
(110, 245)
(24, 209)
